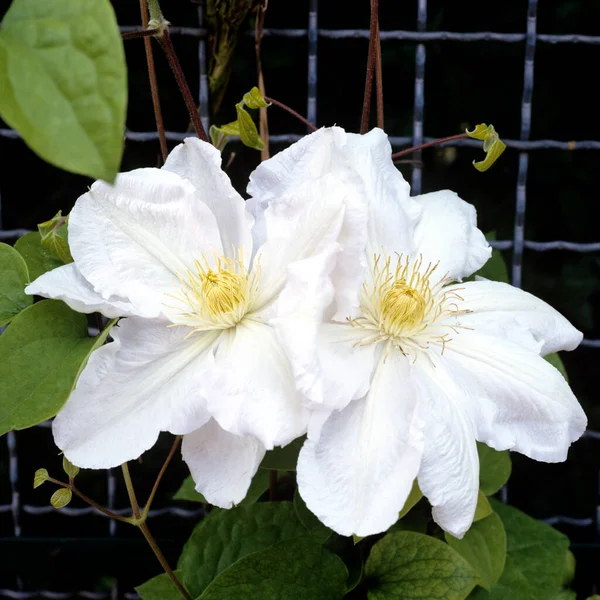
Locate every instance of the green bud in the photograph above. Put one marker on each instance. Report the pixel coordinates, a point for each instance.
(69, 468)
(41, 476)
(254, 99)
(492, 145)
(61, 497)
(54, 237)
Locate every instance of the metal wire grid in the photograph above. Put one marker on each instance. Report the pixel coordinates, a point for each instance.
(312, 33)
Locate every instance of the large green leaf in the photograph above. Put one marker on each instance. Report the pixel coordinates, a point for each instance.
(484, 548)
(160, 588)
(13, 279)
(494, 469)
(291, 569)
(513, 585)
(283, 459)
(38, 258)
(63, 82)
(410, 565)
(41, 354)
(317, 530)
(225, 536)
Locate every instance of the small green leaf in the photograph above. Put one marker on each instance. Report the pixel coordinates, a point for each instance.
(248, 132)
(53, 234)
(41, 476)
(483, 508)
(411, 565)
(298, 568)
(230, 129)
(484, 548)
(413, 497)
(63, 83)
(283, 459)
(41, 353)
(492, 145)
(494, 468)
(38, 258)
(187, 491)
(225, 536)
(160, 588)
(317, 530)
(13, 279)
(69, 468)
(254, 99)
(61, 497)
(555, 360)
(569, 569)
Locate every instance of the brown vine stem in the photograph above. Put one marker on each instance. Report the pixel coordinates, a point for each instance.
(292, 112)
(167, 45)
(263, 119)
(160, 476)
(272, 484)
(141, 33)
(373, 35)
(429, 144)
(160, 127)
(378, 67)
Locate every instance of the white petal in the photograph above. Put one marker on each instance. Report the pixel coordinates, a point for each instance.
(252, 389)
(497, 308)
(515, 398)
(393, 214)
(449, 473)
(447, 232)
(200, 163)
(132, 239)
(66, 283)
(357, 475)
(148, 380)
(222, 464)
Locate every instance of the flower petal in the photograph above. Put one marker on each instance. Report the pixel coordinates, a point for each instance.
(252, 389)
(447, 232)
(449, 473)
(358, 474)
(132, 239)
(200, 163)
(497, 308)
(148, 380)
(222, 464)
(515, 398)
(66, 283)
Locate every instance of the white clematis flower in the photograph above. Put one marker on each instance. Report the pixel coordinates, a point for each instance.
(171, 250)
(417, 366)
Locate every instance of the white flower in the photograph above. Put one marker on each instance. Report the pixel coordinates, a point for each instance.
(171, 250)
(414, 367)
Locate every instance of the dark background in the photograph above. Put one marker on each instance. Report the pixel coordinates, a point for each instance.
(465, 83)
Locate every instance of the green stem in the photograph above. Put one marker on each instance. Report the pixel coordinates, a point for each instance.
(155, 12)
(135, 507)
(429, 144)
(160, 475)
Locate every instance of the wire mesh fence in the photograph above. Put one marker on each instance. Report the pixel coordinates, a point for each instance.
(15, 508)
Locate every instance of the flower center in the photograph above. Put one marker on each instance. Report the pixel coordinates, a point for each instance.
(402, 308)
(215, 295)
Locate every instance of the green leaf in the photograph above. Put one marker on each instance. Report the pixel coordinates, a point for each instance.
(297, 568)
(61, 497)
(484, 548)
(69, 468)
(254, 99)
(41, 476)
(513, 585)
(248, 132)
(38, 258)
(225, 536)
(258, 486)
(13, 279)
(565, 595)
(283, 459)
(41, 353)
(569, 569)
(410, 565)
(414, 496)
(555, 360)
(54, 237)
(495, 268)
(160, 588)
(315, 528)
(483, 508)
(63, 83)
(494, 468)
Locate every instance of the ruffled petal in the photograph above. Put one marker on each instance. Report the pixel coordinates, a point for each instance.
(449, 473)
(66, 283)
(148, 380)
(357, 475)
(200, 163)
(498, 309)
(447, 233)
(222, 464)
(515, 398)
(132, 240)
(252, 389)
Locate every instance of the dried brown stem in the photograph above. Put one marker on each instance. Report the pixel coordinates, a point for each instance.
(428, 145)
(292, 112)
